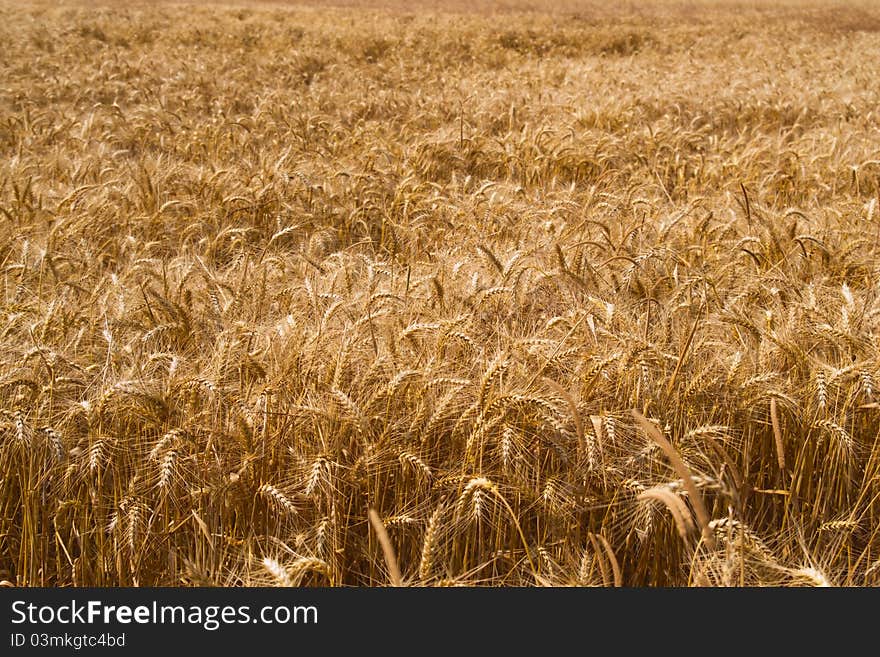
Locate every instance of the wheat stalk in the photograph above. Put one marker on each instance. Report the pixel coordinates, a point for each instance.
(693, 493)
(387, 548)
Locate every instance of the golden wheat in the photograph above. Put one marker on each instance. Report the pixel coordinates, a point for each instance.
(280, 281)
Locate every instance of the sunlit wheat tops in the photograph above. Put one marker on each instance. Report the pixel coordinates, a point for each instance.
(312, 296)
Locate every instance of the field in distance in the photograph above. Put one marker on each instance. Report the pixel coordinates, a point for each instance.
(579, 296)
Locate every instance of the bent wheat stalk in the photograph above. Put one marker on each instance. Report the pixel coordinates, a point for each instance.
(680, 513)
(693, 492)
(387, 548)
(615, 566)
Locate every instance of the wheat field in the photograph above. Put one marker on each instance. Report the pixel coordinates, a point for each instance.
(440, 294)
